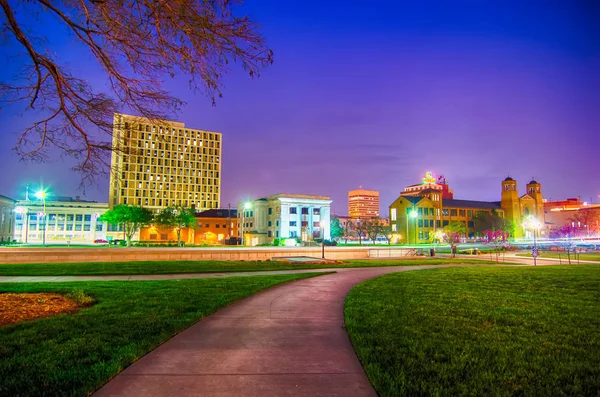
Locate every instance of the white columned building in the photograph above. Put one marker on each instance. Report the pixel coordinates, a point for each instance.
(285, 216)
(68, 221)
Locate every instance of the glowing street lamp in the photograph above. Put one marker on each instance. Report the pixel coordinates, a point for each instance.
(322, 224)
(532, 223)
(41, 195)
(411, 214)
(247, 205)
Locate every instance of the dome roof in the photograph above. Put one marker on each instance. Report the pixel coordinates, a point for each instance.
(508, 178)
(533, 182)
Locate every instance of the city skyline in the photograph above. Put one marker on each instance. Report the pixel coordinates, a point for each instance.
(378, 96)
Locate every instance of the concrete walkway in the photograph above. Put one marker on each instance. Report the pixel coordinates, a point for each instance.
(172, 276)
(180, 276)
(287, 341)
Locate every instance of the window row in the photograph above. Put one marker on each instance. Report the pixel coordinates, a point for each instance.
(34, 216)
(171, 179)
(165, 132)
(168, 203)
(178, 193)
(304, 210)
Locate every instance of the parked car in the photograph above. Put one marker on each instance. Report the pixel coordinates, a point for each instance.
(100, 241)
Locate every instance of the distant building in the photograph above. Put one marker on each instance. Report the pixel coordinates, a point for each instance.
(434, 207)
(67, 221)
(161, 165)
(7, 208)
(283, 216)
(216, 226)
(583, 218)
(213, 227)
(430, 184)
(363, 203)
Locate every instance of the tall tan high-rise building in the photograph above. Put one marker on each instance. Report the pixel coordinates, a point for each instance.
(157, 165)
(363, 203)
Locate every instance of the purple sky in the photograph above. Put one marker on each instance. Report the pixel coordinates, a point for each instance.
(375, 94)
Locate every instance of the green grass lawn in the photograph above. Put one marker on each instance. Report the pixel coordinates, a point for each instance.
(487, 331)
(171, 267)
(73, 355)
(563, 255)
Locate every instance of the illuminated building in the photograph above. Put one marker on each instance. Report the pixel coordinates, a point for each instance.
(582, 218)
(213, 227)
(283, 216)
(7, 207)
(67, 221)
(363, 203)
(157, 165)
(216, 226)
(423, 210)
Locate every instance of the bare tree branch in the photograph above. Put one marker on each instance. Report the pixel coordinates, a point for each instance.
(137, 43)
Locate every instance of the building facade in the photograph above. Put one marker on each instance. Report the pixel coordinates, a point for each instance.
(363, 203)
(67, 221)
(284, 216)
(581, 219)
(157, 165)
(217, 226)
(421, 212)
(7, 219)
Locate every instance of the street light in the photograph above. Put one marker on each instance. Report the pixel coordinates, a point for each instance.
(247, 205)
(532, 223)
(322, 224)
(41, 195)
(411, 214)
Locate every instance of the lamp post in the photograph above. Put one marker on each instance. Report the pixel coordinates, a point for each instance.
(41, 195)
(245, 207)
(411, 214)
(533, 224)
(322, 239)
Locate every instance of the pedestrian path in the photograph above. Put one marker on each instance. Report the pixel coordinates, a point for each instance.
(286, 341)
(524, 261)
(172, 276)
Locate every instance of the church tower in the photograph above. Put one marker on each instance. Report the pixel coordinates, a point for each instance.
(510, 205)
(534, 190)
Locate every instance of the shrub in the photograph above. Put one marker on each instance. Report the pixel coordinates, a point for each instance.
(78, 296)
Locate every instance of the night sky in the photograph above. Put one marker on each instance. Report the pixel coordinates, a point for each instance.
(376, 93)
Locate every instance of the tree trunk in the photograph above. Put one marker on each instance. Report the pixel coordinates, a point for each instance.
(179, 237)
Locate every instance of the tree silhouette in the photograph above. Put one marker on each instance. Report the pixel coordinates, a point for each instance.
(138, 44)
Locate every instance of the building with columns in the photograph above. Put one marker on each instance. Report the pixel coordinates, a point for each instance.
(61, 220)
(283, 216)
(7, 208)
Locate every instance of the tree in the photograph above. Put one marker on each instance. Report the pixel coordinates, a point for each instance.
(453, 234)
(336, 230)
(348, 231)
(138, 44)
(563, 237)
(176, 218)
(583, 221)
(374, 228)
(484, 221)
(497, 239)
(131, 218)
(361, 228)
(387, 231)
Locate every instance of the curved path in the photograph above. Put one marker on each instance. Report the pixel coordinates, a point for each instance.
(286, 341)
